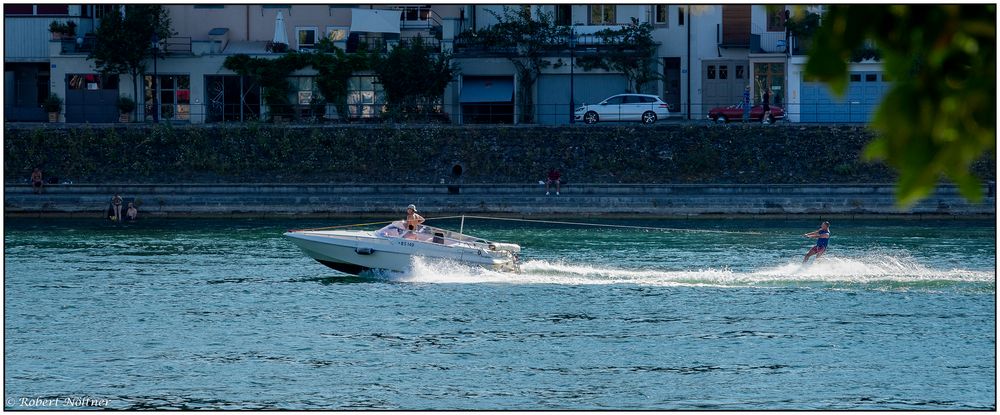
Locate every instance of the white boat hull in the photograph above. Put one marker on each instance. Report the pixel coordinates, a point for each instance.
(354, 252)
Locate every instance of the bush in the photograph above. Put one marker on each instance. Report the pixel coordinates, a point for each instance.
(125, 105)
(53, 103)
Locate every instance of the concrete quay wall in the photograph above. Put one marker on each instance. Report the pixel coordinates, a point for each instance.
(355, 200)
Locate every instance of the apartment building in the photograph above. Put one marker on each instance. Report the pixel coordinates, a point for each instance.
(706, 55)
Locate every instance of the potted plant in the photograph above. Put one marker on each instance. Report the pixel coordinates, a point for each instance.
(125, 107)
(60, 30)
(53, 105)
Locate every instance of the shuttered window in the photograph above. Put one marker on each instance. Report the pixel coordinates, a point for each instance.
(736, 25)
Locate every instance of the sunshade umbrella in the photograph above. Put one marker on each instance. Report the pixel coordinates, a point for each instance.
(279, 30)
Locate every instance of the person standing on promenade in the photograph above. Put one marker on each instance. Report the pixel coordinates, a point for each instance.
(554, 178)
(766, 102)
(746, 104)
(822, 236)
(36, 180)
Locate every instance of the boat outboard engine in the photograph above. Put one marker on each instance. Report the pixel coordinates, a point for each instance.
(498, 246)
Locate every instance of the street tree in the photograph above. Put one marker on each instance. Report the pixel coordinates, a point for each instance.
(123, 40)
(413, 77)
(530, 42)
(630, 50)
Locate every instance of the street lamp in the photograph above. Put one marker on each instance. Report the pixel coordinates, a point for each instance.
(155, 43)
(572, 63)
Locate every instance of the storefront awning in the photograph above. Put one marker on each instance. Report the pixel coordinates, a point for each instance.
(487, 90)
(375, 21)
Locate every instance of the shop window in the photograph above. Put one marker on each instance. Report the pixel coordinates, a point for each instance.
(174, 92)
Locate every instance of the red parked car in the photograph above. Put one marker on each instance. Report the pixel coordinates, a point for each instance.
(723, 115)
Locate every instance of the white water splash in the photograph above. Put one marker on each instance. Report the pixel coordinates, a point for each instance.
(829, 271)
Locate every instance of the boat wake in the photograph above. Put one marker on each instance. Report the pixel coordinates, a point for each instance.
(875, 271)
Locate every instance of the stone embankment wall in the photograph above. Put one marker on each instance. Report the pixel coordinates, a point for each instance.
(603, 154)
(662, 170)
(346, 200)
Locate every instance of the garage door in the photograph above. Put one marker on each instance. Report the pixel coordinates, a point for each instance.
(864, 93)
(553, 94)
(91, 98)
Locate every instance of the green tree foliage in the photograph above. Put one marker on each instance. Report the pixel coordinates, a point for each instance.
(271, 75)
(413, 77)
(531, 40)
(629, 50)
(334, 70)
(940, 114)
(123, 41)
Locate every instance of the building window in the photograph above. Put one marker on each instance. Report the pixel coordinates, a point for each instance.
(564, 14)
(52, 9)
(871, 77)
(231, 98)
(711, 71)
(306, 36)
(723, 72)
(365, 97)
(680, 16)
(102, 10)
(18, 9)
(338, 33)
(661, 14)
(175, 97)
(855, 77)
(602, 14)
(775, 19)
(739, 71)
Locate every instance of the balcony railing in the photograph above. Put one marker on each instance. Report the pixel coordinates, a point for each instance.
(418, 17)
(86, 44)
(468, 44)
(382, 45)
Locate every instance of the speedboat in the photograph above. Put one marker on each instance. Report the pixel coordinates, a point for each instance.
(393, 248)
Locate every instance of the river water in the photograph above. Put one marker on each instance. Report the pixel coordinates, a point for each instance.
(226, 314)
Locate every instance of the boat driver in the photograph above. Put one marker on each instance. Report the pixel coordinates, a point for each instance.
(413, 220)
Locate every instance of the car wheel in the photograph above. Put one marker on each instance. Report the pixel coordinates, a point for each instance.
(721, 119)
(590, 117)
(648, 117)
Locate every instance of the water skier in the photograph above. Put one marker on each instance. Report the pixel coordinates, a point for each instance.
(822, 237)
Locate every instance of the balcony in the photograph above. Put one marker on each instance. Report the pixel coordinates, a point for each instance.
(85, 45)
(26, 38)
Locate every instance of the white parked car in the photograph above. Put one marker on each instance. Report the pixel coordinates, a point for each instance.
(625, 107)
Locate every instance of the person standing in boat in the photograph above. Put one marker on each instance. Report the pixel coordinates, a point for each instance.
(822, 237)
(413, 220)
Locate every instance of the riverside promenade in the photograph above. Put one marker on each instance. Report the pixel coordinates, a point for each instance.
(519, 200)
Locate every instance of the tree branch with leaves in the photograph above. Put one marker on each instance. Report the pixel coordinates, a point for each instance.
(939, 116)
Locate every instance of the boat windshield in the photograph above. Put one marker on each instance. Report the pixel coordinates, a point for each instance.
(392, 230)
